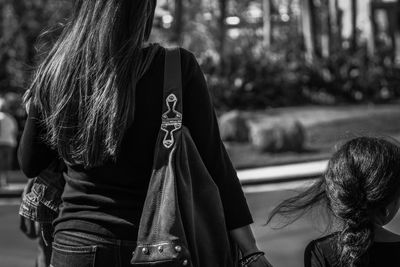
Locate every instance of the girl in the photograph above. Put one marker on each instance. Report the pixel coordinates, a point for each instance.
(361, 189)
(96, 103)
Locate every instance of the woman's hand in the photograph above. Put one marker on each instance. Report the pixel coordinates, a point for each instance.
(30, 228)
(261, 262)
(244, 238)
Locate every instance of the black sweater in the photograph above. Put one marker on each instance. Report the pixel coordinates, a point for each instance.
(323, 253)
(108, 200)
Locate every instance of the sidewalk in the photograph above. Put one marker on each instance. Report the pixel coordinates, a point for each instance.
(282, 173)
(16, 184)
(249, 177)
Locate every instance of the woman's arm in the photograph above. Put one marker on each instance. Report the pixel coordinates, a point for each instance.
(200, 118)
(247, 244)
(33, 154)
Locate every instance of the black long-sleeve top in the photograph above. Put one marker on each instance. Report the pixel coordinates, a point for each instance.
(108, 200)
(323, 253)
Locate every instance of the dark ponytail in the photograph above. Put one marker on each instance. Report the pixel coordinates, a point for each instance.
(362, 177)
(354, 242)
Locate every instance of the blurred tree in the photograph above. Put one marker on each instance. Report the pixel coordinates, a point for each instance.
(354, 24)
(267, 23)
(223, 11)
(335, 25)
(326, 33)
(177, 27)
(384, 39)
(201, 32)
(308, 24)
(371, 40)
(21, 23)
(396, 29)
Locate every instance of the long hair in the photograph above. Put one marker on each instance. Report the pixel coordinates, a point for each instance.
(362, 177)
(85, 86)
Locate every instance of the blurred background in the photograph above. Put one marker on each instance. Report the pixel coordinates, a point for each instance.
(290, 80)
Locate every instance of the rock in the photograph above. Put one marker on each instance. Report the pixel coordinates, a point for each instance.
(233, 127)
(278, 136)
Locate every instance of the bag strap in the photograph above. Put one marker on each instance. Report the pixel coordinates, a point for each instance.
(172, 104)
(173, 75)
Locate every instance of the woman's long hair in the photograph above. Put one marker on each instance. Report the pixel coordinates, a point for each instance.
(362, 177)
(85, 87)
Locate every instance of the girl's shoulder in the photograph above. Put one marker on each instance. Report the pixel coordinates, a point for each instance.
(326, 242)
(321, 252)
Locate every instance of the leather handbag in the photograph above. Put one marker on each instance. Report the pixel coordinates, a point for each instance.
(182, 222)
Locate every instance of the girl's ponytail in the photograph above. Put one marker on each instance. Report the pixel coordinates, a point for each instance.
(349, 198)
(354, 242)
(356, 237)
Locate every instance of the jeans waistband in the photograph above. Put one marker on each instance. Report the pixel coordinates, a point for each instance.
(73, 236)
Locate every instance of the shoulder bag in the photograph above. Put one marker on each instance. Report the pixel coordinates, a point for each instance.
(183, 222)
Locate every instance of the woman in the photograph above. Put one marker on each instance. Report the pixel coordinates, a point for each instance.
(96, 102)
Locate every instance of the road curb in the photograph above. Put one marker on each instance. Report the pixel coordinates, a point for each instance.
(13, 190)
(283, 173)
(249, 177)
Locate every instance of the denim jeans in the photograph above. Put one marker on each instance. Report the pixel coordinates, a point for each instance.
(40, 202)
(42, 195)
(78, 249)
(44, 252)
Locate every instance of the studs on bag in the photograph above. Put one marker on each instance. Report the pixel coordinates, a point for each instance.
(145, 251)
(178, 249)
(185, 263)
(160, 249)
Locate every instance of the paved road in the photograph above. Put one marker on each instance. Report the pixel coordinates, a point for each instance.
(15, 249)
(284, 247)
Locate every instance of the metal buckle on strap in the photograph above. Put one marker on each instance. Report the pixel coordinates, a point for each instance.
(171, 121)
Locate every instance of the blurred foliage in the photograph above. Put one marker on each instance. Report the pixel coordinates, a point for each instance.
(21, 22)
(258, 80)
(244, 76)
(249, 76)
(348, 77)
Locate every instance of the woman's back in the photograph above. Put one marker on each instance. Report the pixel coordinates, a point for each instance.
(108, 199)
(115, 191)
(323, 253)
